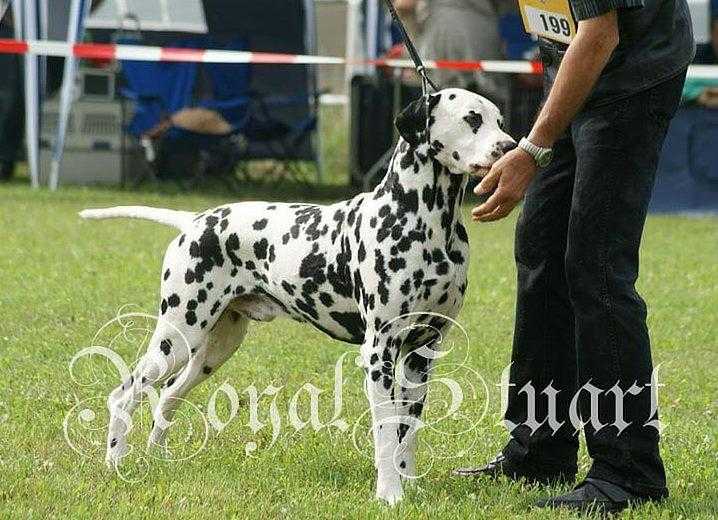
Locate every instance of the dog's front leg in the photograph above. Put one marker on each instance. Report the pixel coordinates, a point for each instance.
(412, 373)
(379, 356)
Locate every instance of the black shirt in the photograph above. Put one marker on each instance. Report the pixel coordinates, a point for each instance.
(656, 43)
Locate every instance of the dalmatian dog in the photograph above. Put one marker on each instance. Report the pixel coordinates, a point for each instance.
(350, 269)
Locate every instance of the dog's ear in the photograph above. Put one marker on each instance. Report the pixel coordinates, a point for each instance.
(412, 121)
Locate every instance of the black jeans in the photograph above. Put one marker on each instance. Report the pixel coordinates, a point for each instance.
(579, 318)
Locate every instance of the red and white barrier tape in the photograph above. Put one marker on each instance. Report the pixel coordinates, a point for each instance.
(147, 53)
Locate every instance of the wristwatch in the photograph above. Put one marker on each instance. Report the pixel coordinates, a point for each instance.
(542, 156)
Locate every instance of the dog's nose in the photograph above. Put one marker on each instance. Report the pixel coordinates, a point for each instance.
(507, 146)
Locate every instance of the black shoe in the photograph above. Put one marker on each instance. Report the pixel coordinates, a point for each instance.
(595, 495)
(503, 466)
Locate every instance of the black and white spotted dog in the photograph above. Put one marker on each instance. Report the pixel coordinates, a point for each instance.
(349, 269)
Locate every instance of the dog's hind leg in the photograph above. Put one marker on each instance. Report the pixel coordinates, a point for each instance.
(169, 349)
(379, 356)
(222, 342)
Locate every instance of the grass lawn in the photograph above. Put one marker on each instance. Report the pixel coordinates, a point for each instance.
(63, 279)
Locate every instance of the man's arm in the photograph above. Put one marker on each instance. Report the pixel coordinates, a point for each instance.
(585, 59)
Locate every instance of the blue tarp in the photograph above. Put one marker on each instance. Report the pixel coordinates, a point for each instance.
(687, 178)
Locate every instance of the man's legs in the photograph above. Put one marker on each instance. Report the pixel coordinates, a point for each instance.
(544, 347)
(617, 150)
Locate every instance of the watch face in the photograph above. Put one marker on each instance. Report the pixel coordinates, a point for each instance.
(544, 158)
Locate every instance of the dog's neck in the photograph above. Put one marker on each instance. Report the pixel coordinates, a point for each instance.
(417, 182)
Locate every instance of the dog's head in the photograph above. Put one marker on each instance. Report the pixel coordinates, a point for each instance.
(465, 130)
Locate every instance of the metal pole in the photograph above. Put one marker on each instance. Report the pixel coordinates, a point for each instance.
(79, 11)
(32, 98)
(17, 18)
(44, 22)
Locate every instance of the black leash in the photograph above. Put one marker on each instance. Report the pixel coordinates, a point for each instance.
(418, 64)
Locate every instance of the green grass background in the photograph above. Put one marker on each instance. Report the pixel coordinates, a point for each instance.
(62, 279)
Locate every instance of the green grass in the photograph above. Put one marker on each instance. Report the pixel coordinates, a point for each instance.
(62, 279)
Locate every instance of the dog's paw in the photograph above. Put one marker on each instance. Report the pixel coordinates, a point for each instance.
(116, 449)
(391, 493)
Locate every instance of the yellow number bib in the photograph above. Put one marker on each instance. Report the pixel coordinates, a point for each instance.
(550, 19)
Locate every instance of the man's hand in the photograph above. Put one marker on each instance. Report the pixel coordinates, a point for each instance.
(510, 176)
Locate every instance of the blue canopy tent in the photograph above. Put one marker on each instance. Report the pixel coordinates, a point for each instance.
(291, 91)
(288, 26)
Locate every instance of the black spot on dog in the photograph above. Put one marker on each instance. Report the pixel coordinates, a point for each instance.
(456, 155)
(260, 224)
(461, 232)
(352, 322)
(208, 250)
(401, 431)
(190, 317)
(272, 255)
(173, 300)
(260, 249)
(167, 274)
(397, 264)
(474, 120)
(207, 370)
(232, 245)
(313, 266)
(166, 346)
(326, 299)
(407, 160)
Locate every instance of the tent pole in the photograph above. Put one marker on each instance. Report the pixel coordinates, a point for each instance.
(372, 29)
(353, 40)
(75, 30)
(17, 18)
(44, 21)
(32, 98)
(310, 42)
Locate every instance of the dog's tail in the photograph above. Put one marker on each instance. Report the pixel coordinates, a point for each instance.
(169, 217)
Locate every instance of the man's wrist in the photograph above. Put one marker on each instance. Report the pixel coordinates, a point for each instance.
(540, 138)
(541, 155)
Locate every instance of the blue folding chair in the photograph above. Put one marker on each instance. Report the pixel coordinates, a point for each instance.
(160, 89)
